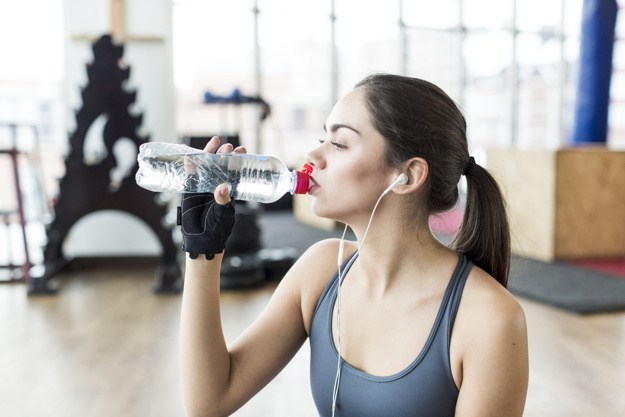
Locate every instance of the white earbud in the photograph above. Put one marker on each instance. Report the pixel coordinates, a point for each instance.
(402, 179)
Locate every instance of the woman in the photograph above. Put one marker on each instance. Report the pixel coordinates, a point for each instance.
(422, 329)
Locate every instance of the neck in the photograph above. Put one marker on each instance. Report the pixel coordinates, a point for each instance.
(395, 251)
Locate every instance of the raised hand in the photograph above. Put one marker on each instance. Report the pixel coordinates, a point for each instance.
(207, 219)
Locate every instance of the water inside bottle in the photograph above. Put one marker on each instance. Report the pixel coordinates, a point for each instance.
(173, 167)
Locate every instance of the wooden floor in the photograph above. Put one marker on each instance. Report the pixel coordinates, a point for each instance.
(107, 346)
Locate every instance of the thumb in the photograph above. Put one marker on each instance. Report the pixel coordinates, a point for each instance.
(222, 194)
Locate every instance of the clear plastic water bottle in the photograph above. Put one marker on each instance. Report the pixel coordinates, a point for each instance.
(180, 168)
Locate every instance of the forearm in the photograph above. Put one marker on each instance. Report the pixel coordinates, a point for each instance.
(204, 357)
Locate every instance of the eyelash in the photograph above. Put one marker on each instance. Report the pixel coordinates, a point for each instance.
(336, 144)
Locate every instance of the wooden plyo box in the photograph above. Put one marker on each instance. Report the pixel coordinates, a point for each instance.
(565, 203)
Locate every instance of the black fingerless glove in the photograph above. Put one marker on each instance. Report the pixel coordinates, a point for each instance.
(206, 225)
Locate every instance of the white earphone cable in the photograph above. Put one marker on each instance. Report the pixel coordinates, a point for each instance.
(341, 277)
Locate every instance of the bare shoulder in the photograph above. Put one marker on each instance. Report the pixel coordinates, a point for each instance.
(312, 272)
(483, 295)
(318, 260)
(488, 310)
(491, 364)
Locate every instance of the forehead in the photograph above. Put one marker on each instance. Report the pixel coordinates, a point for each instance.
(351, 110)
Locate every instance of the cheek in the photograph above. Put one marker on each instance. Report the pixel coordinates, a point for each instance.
(365, 179)
(352, 191)
(363, 168)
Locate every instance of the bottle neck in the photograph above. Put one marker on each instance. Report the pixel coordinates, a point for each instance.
(300, 182)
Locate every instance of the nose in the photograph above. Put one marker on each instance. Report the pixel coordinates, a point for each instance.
(315, 159)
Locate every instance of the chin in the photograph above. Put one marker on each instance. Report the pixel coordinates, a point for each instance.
(317, 208)
(325, 212)
(320, 209)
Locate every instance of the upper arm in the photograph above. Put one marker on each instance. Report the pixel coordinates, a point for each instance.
(272, 340)
(495, 358)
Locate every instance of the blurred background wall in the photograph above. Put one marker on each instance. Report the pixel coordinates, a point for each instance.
(511, 65)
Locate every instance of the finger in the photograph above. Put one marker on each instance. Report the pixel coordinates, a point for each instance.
(240, 149)
(222, 194)
(212, 145)
(190, 166)
(225, 148)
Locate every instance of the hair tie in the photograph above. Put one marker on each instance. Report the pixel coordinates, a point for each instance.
(469, 166)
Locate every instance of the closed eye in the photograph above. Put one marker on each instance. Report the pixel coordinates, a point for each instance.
(335, 144)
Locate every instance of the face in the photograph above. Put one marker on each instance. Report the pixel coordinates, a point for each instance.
(349, 171)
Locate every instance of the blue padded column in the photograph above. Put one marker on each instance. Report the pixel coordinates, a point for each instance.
(595, 72)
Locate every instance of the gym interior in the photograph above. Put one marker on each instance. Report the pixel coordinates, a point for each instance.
(91, 269)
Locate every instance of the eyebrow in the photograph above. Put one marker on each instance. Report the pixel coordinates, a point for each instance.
(335, 127)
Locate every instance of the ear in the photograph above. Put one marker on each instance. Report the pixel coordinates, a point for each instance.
(416, 169)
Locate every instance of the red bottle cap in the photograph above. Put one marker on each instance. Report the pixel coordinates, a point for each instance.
(307, 169)
(302, 182)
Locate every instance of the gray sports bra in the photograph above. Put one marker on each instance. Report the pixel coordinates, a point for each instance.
(424, 389)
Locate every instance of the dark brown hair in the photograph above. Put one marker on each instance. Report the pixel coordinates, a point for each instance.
(418, 119)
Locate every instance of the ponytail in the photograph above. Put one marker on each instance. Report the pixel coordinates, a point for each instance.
(484, 236)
